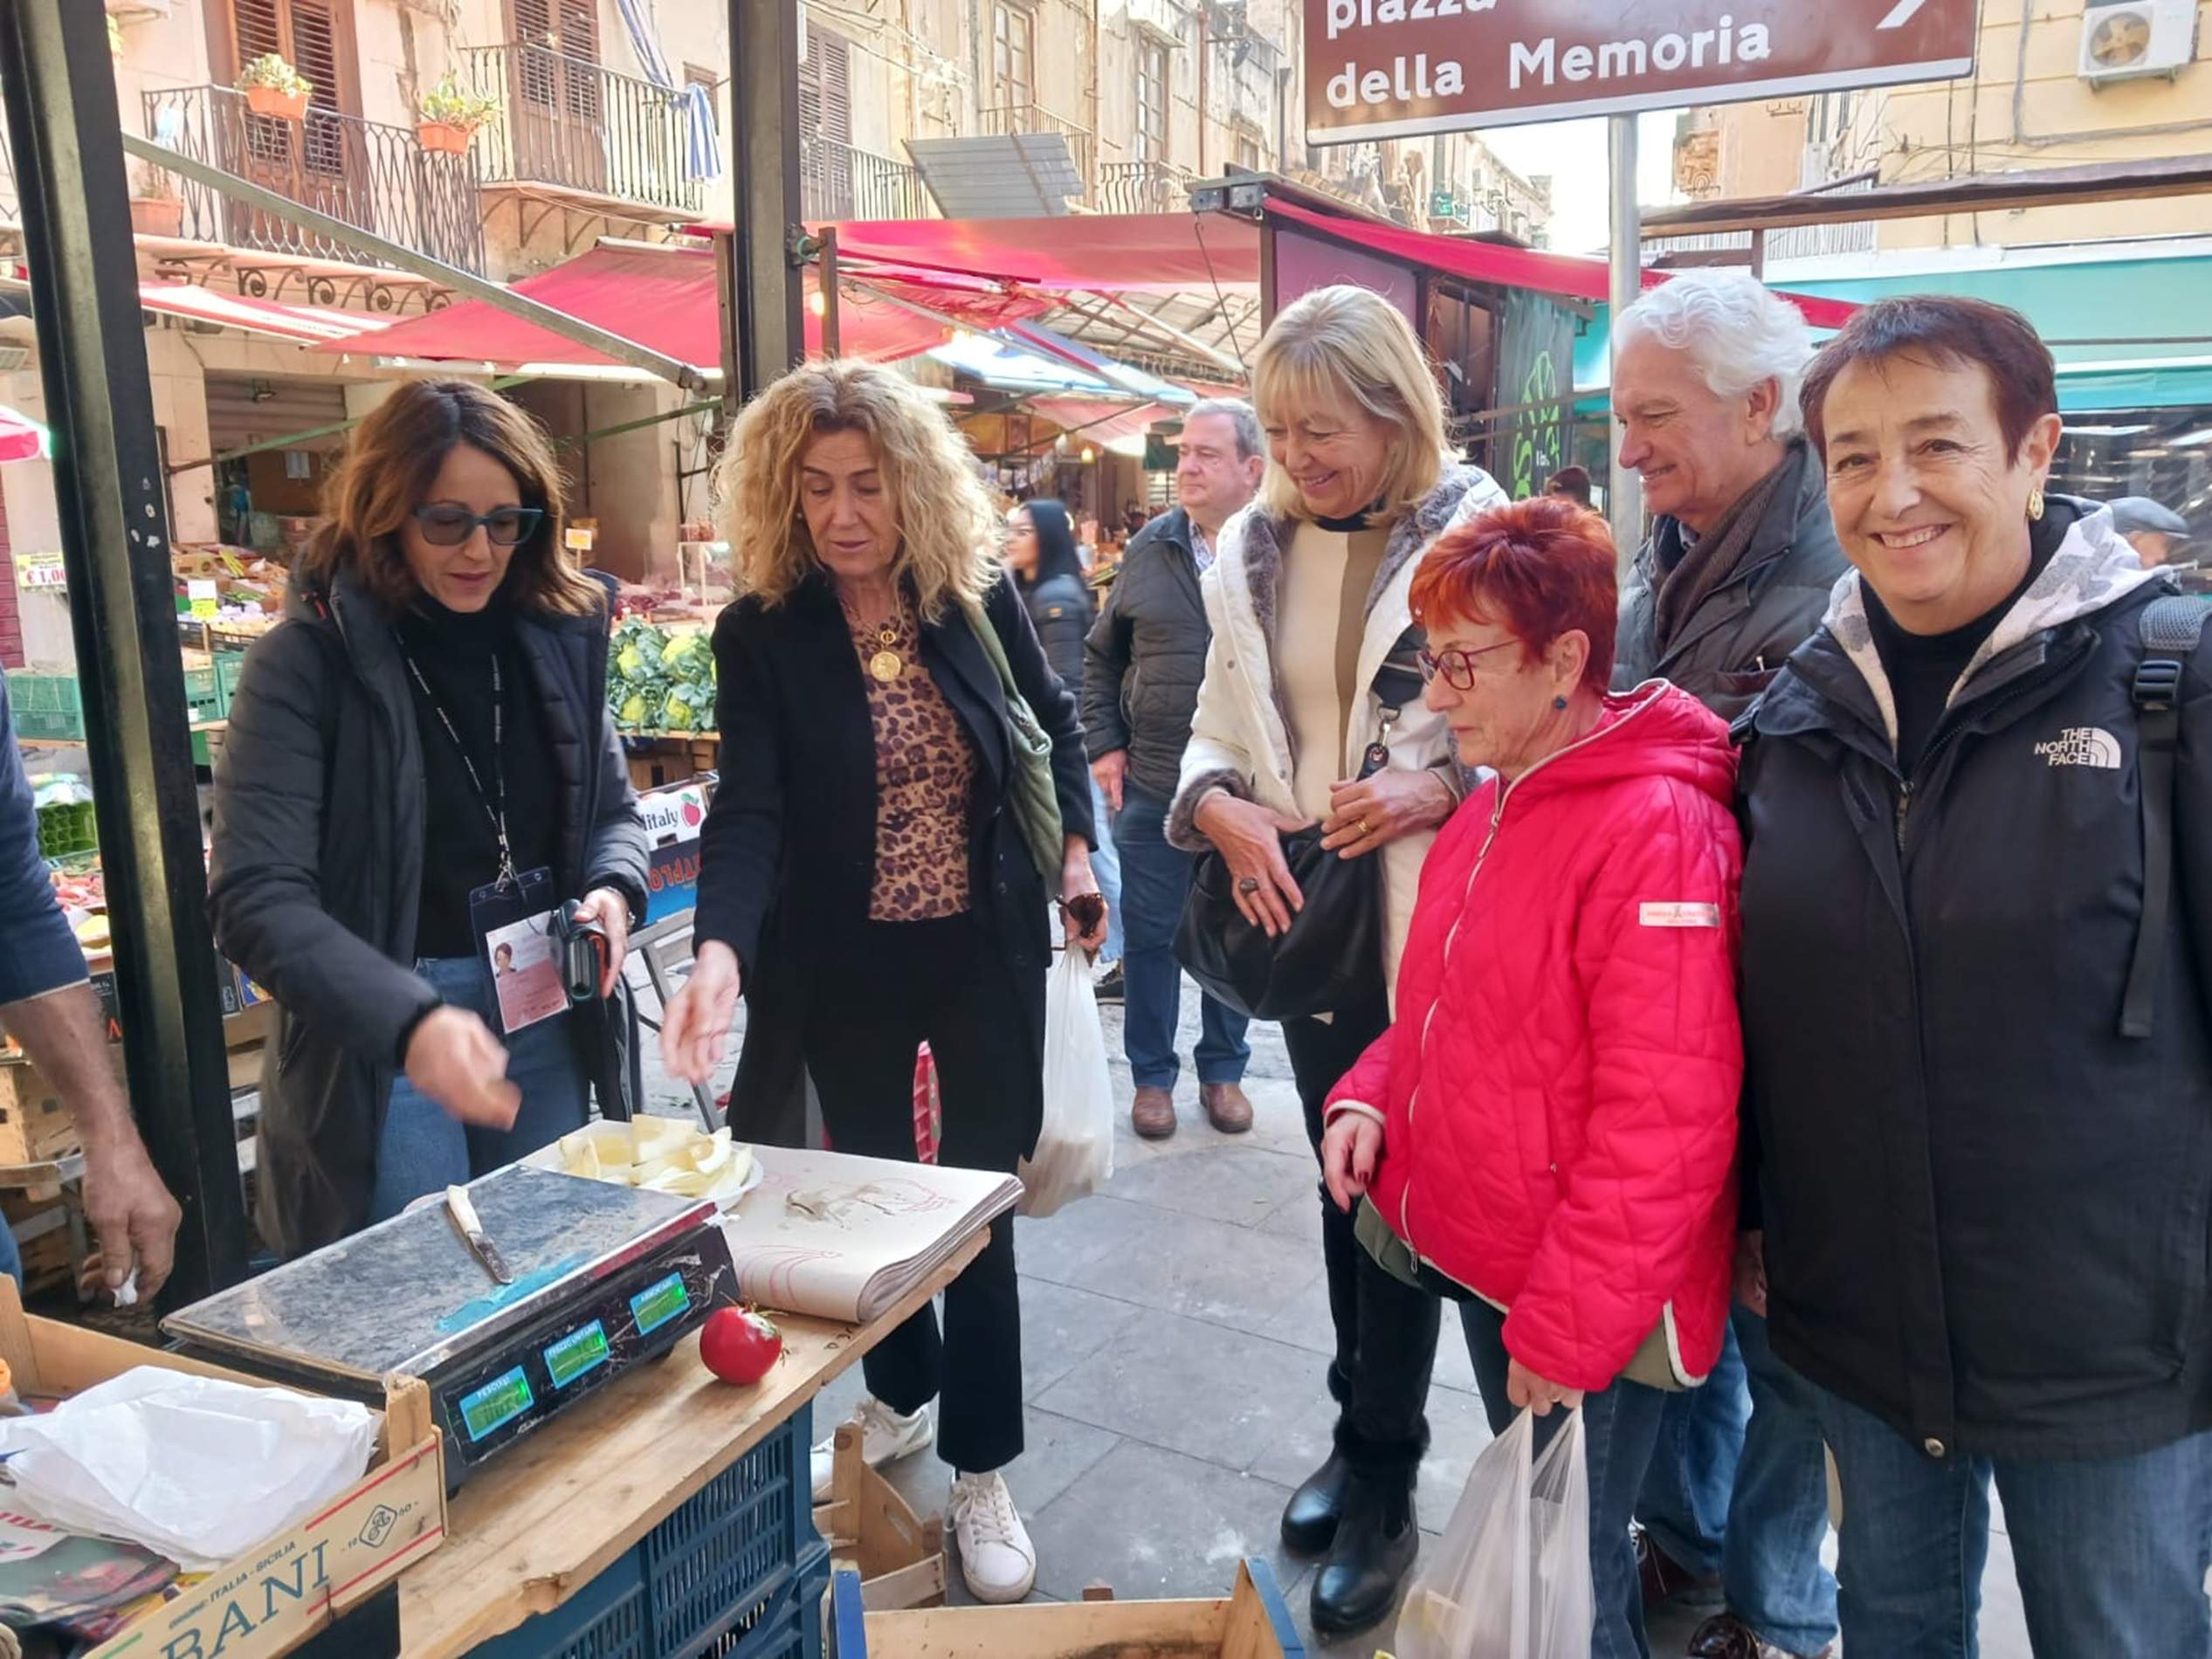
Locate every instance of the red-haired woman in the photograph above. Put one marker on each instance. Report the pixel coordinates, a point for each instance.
(1566, 1018)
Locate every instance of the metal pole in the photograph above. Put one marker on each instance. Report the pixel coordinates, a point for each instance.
(1624, 491)
(828, 284)
(58, 88)
(765, 292)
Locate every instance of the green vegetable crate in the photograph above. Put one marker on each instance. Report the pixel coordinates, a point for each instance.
(67, 829)
(46, 706)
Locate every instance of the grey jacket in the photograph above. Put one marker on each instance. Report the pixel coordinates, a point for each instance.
(1146, 654)
(317, 867)
(1736, 642)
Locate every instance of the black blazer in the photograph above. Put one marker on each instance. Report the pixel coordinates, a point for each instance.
(788, 852)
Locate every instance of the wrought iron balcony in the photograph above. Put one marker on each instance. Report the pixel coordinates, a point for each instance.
(574, 124)
(376, 177)
(837, 181)
(1142, 187)
(1010, 120)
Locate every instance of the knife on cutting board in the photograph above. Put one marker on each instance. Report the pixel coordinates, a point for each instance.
(463, 1210)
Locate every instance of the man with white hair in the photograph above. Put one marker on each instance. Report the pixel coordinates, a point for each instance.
(1735, 576)
(1742, 555)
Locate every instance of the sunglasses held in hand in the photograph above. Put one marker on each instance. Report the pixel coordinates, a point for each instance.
(1087, 910)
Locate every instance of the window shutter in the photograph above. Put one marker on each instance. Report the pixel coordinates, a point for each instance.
(837, 87)
(314, 54)
(255, 26)
(581, 97)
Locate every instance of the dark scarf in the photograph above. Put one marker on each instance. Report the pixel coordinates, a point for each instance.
(1704, 569)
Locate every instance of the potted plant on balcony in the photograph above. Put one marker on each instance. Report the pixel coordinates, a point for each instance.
(450, 117)
(156, 208)
(274, 87)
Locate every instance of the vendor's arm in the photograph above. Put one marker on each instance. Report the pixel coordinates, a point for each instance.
(266, 892)
(47, 1004)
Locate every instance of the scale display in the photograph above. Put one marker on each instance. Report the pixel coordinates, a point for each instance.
(657, 1304)
(577, 1353)
(497, 1403)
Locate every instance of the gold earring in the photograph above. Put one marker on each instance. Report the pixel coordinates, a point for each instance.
(2036, 504)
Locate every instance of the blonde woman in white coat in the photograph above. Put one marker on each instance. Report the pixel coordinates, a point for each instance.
(1308, 597)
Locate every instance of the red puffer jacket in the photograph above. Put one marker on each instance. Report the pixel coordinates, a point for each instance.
(1559, 1091)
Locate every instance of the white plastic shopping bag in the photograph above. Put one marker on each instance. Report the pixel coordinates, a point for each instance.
(1511, 1579)
(1074, 1152)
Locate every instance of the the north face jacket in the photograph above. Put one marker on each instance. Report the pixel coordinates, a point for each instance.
(1559, 1090)
(1988, 1212)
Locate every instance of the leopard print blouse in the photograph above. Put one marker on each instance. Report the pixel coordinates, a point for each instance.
(924, 775)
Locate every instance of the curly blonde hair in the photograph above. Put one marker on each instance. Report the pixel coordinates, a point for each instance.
(948, 530)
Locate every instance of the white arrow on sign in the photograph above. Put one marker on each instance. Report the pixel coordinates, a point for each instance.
(1900, 13)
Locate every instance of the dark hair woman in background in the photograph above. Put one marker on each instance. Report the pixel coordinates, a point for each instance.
(429, 719)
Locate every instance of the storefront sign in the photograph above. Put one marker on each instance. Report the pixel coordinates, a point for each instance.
(1535, 366)
(206, 600)
(1378, 69)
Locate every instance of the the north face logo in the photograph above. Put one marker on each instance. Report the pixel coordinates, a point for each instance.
(2083, 746)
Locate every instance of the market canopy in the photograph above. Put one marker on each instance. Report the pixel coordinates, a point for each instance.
(21, 437)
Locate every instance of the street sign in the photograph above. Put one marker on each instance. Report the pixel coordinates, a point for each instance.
(1378, 69)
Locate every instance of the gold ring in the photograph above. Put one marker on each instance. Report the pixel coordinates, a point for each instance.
(1364, 827)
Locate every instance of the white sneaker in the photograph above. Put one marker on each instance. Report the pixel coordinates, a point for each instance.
(885, 1438)
(995, 1555)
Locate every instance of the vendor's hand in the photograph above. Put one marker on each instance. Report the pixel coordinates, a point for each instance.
(695, 1026)
(1751, 1271)
(1084, 923)
(1350, 1152)
(612, 911)
(1366, 814)
(455, 1060)
(1524, 1389)
(132, 1215)
(1249, 839)
(1110, 771)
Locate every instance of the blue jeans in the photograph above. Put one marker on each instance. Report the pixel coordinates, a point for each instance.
(422, 1150)
(1739, 1487)
(1155, 880)
(1106, 865)
(2109, 1552)
(1620, 1426)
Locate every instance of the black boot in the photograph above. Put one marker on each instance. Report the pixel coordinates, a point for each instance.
(1376, 1541)
(1310, 1518)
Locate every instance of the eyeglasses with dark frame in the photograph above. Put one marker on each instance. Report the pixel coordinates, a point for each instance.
(1457, 665)
(445, 524)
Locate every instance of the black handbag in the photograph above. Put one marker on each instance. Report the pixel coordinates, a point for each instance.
(1331, 957)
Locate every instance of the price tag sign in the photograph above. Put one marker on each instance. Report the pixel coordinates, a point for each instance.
(577, 540)
(41, 570)
(202, 593)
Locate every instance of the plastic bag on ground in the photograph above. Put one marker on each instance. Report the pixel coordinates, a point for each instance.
(1074, 1154)
(192, 1468)
(1511, 1578)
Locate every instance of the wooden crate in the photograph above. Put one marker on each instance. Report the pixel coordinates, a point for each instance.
(1252, 1623)
(657, 761)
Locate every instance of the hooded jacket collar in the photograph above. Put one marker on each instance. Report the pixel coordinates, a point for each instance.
(1656, 730)
(2093, 569)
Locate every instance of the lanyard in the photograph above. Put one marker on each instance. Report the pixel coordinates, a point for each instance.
(494, 807)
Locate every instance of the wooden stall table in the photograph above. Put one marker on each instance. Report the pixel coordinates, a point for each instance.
(539, 1522)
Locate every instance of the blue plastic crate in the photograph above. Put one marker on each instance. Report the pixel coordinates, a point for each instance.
(736, 1572)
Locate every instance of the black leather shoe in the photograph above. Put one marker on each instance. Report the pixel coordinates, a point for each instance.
(1376, 1541)
(1310, 1518)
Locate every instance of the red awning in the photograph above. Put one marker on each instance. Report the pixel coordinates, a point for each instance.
(307, 324)
(1104, 252)
(1095, 421)
(664, 298)
(1558, 273)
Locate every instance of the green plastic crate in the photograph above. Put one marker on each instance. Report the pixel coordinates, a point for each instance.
(228, 665)
(66, 830)
(46, 706)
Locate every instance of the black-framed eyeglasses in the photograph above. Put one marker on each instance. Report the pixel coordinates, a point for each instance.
(444, 524)
(1457, 665)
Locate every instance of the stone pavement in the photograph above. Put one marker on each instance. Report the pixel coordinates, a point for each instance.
(1175, 1330)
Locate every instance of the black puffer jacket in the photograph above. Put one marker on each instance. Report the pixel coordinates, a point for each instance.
(1061, 610)
(1986, 1209)
(318, 865)
(1736, 642)
(1147, 656)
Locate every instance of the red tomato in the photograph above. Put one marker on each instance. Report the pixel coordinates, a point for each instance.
(739, 1345)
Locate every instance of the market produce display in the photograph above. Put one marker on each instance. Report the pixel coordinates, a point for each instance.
(658, 680)
(661, 1154)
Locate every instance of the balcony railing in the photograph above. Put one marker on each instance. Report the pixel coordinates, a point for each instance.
(1010, 120)
(1142, 187)
(375, 177)
(573, 123)
(837, 181)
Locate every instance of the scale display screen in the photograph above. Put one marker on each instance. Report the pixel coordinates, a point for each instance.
(659, 1301)
(499, 1401)
(577, 1353)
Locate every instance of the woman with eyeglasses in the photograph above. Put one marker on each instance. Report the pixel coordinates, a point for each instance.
(419, 768)
(1554, 1154)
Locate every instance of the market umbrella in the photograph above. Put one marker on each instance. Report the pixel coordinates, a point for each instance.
(21, 437)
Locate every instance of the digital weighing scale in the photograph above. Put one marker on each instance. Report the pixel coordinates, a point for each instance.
(606, 1278)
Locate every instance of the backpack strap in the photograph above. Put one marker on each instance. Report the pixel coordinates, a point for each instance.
(2170, 628)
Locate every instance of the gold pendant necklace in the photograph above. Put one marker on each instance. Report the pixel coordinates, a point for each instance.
(886, 664)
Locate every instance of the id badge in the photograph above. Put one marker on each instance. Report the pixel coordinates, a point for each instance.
(512, 921)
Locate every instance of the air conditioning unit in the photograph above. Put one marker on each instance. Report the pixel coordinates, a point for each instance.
(2137, 37)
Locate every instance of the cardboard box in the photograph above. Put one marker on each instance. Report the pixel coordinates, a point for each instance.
(672, 821)
(275, 1596)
